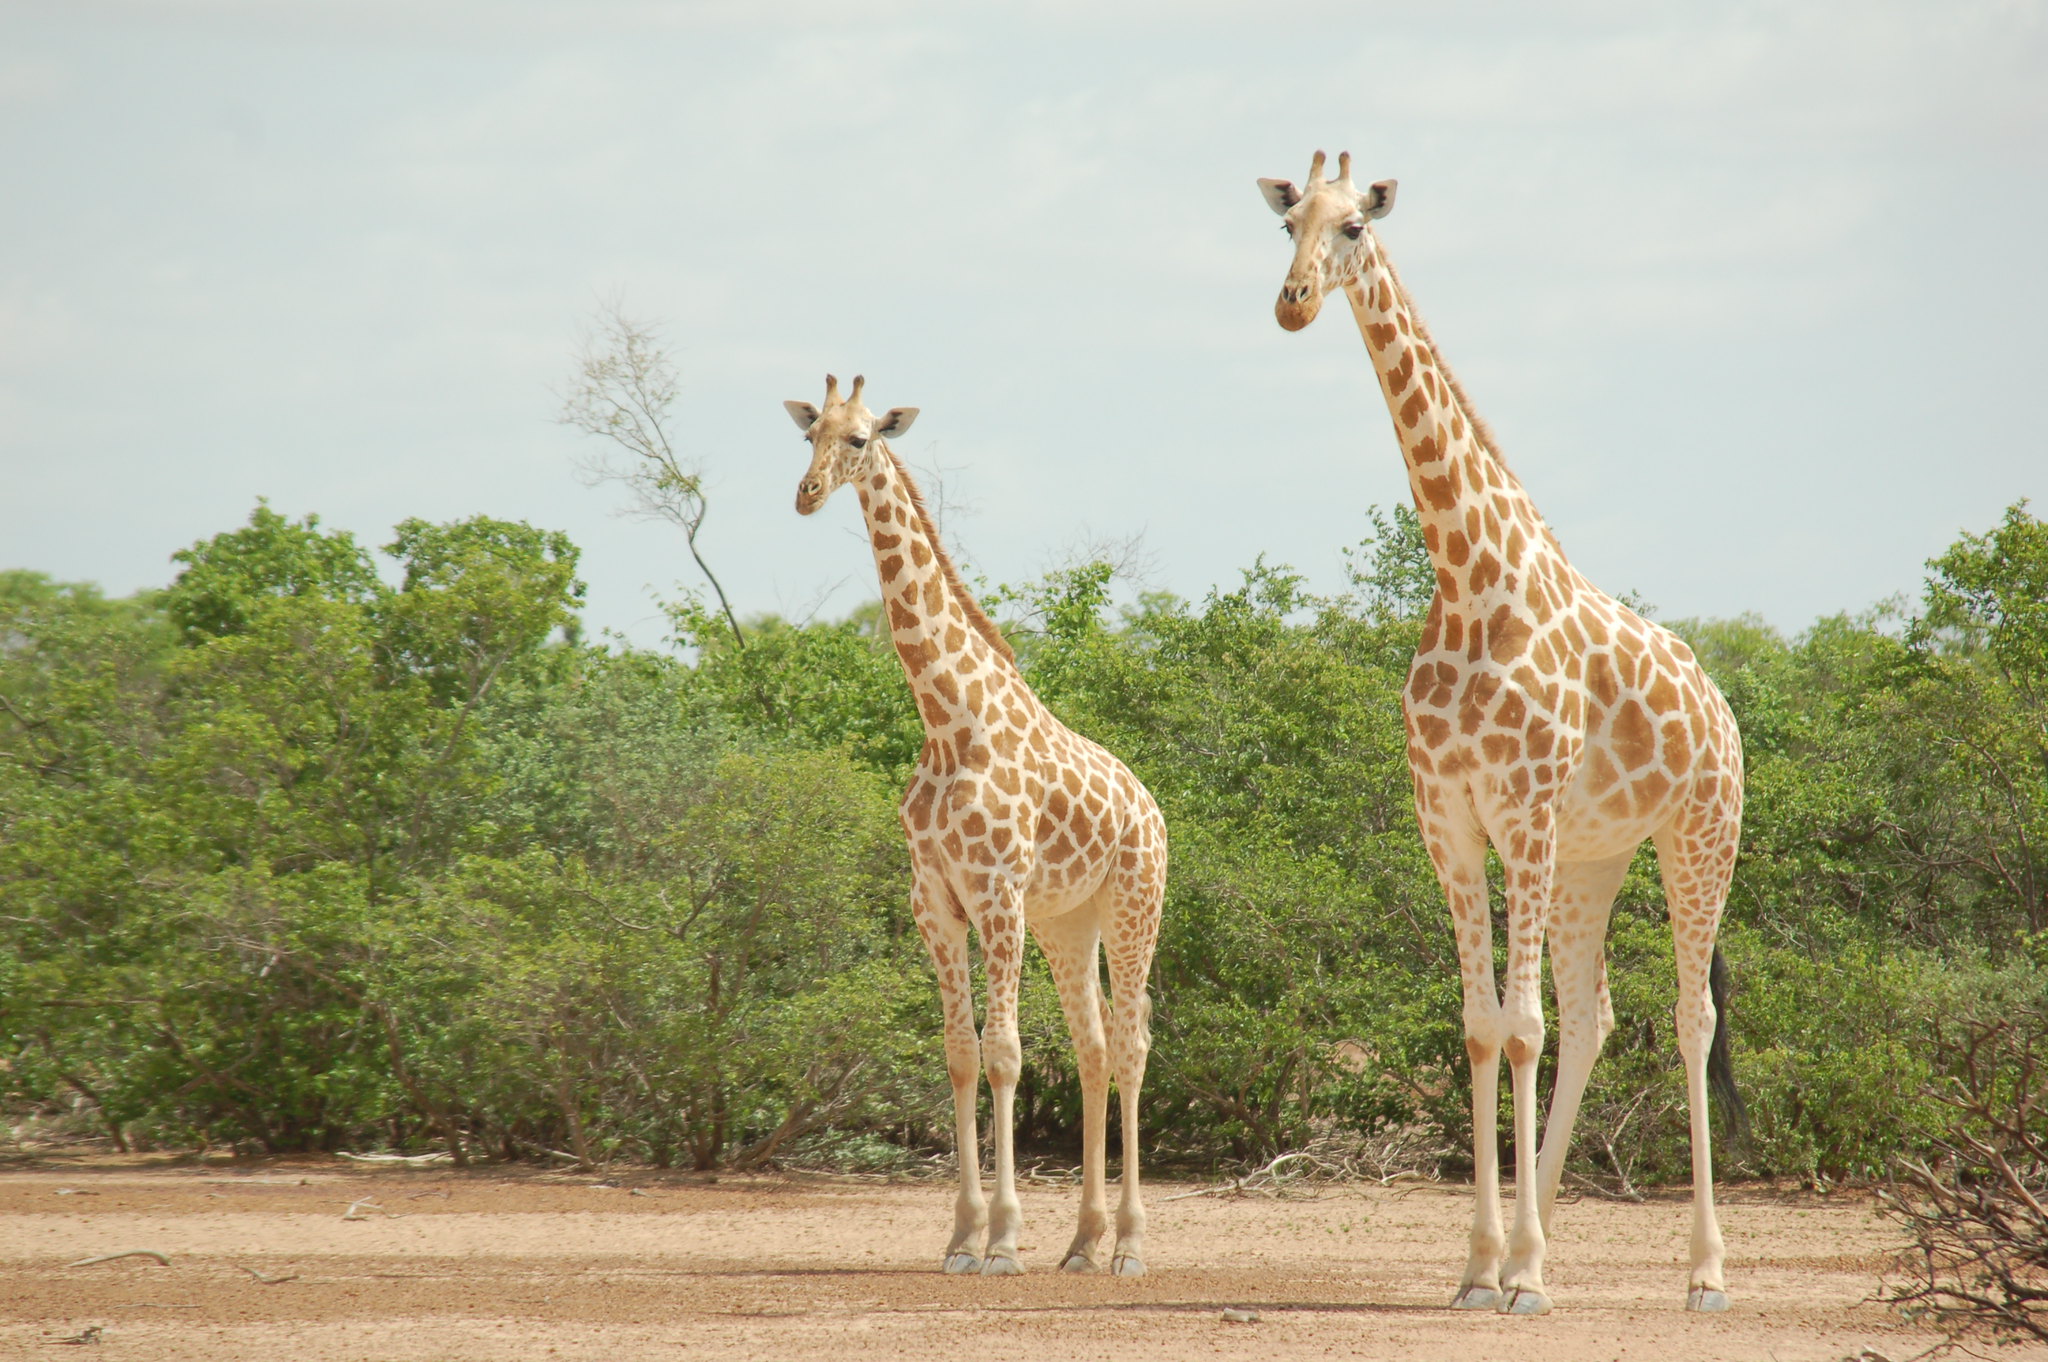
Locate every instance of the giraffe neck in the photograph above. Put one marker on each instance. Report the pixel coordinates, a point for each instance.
(948, 647)
(1483, 533)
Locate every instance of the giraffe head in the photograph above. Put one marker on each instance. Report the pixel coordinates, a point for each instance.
(1328, 224)
(841, 436)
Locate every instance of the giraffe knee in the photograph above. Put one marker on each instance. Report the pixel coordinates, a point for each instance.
(1523, 1043)
(1140, 1013)
(1091, 1057)
(1003, 1056)
(963, 1061)
(1130, 1046)
(1695, 1019)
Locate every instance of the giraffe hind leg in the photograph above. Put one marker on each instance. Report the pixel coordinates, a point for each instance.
(1698, 863)
(1582, 897)
(1137, 892)
(1458, 851)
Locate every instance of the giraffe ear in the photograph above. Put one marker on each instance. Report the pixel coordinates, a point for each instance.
(1280, 194)
(803, 413)
(1379, 198)
(895, 421)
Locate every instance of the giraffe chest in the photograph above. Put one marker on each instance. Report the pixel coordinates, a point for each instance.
(1502, 725)
(1617, 735)
(1046, 823)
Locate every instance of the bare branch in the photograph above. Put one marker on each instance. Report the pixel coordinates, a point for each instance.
(1979, 1258)
(625, 384)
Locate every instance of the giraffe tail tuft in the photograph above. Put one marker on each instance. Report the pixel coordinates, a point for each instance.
(1720, 1061)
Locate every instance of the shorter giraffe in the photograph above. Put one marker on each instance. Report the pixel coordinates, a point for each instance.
(1013, 819)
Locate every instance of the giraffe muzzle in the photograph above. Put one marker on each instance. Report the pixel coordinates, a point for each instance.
(1297, 305)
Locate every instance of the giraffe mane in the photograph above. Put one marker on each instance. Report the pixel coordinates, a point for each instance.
(1481, 431)
(976, 616)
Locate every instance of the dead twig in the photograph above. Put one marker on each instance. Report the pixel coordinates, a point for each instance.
(90, 1338)
(1270, 1178)
(359, 1205)
(531, 1147)
(1978, 1263)
(125, 1253)
(268, 1281)
(1625, 1193)
(1327, 1160)
(399, 1160)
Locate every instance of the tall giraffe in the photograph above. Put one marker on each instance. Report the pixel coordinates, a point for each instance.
(1012, 819)
(1554, 722)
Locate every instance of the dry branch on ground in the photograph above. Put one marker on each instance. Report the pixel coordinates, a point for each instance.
(1979, 1261)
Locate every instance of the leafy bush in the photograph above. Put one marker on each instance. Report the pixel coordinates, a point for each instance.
(291, 857)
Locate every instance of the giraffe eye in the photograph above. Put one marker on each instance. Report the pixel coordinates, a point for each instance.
(1287, 227)
(858, 441)
(1354, 230)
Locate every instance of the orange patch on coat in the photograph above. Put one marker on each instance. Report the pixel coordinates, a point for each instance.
(1507, 633)
(1635, 741)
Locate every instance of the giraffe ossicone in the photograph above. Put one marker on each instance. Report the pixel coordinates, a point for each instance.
(1548, 719)
(1014, 822)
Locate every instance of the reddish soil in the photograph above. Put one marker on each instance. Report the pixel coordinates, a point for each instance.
(446, 1266)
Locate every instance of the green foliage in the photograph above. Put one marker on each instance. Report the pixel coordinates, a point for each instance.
(293, 857)
(1392, 567)
(478, 594)
(820, 684)
(230, 579)
(296, 859)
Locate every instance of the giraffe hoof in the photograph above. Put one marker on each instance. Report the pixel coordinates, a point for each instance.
(1706, 1300)
(1079, 1262)
(1476, 1298)
(1001, 1265)
(1127, 1265)
(960, 1264)
(1524, 1300)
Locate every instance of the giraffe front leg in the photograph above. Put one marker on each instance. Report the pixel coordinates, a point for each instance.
(1479, 1288)
(945, 937)
(1002, 1055)
(1529, 877)
(1069, 943)
(1459, 853)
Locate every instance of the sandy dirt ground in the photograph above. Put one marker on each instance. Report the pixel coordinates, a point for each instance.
(451, 1266)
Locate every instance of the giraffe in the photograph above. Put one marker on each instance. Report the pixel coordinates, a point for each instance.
(1012, 819)
(1552, 721)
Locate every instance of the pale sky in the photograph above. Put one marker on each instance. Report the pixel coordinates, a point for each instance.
(1752, 294)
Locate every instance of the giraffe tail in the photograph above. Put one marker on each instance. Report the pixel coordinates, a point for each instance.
(1720, 1061)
